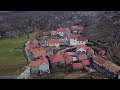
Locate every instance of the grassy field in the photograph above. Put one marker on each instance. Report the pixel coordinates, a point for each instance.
(11, 55)
(11, 51)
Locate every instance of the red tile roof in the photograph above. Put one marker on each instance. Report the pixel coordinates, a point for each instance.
(46, 33)
(85, 62)
(67, 57)
(44, 59)
(77, 65)
(39, 61)
(36, 63)
(82, 46)
(38, 51)
(99, 59)
(77, 27)
(52, 41)
(61, 29)
(56, 58)
(67, 29)
(82, 56)
(81, 38)
(73, 36)
(33, 45)
(90, 50)
(33, 63)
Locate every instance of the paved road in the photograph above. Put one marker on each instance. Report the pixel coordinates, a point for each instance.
(8, 77)
(65, 49)
(25, 74)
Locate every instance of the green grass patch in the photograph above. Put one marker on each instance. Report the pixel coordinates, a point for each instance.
(11, 53)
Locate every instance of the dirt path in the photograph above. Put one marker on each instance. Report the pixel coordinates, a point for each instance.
(75, 75)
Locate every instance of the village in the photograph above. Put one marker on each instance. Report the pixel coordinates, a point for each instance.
(66, 47)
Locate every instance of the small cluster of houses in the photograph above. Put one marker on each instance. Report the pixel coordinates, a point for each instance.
(41, 57)
(37, 53)
(84, 54)
(72, 36)
(36, 56)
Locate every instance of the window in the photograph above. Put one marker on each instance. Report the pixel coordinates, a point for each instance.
(47, 70)
(79, 52)
(83, 52)
(82, 42)
(79, 42)
(74, 41)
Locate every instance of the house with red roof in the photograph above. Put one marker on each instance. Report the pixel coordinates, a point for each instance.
(81, 49)
(77, 40)
(82, 40)
(77, 65)
(34, 66)
(73, 39)
(90, 52)
(33, 46)
(85, 62)
(40, 66)
(38, 52)
(68, 58)
(57, 59)
(77, 29)
(68, 30)
(53, 42)
(80, 64)
(44, 66)
(99, 60)
(61, 31)
(53, 32)
(28, 48)
(82, 57)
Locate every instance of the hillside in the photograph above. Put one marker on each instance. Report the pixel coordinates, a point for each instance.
(99, 25)
(14, 24)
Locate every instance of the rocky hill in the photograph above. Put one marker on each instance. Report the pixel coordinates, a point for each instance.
(98, 24)
(14, 24)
